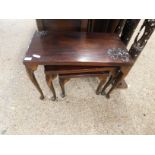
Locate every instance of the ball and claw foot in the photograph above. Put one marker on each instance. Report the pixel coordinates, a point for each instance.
(62, 95)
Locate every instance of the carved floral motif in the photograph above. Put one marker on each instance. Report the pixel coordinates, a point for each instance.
(118, 54)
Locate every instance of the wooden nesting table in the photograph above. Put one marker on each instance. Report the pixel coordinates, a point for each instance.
(75, 49)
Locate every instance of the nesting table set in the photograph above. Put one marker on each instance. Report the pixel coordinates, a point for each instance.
(69, 55)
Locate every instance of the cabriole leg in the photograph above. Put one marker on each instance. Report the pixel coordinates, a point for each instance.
(62, 82)
(106, 85)
(98, 90)
(30, 72)
(49, 79)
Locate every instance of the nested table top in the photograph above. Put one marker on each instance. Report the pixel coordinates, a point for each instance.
(77, 48)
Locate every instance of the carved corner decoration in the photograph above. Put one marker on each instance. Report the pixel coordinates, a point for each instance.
(118, 53)
(139, 43)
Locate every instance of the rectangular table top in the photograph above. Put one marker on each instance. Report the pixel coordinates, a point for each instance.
(76, 48)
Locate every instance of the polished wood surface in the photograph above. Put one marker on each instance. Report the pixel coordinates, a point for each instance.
(76, 48)
(123, 27)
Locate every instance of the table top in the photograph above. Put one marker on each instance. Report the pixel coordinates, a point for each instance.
(76, 48)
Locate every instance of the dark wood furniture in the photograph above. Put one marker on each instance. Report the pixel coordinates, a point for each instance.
(67, 72)
(51, 72)
(64, 78)
(75, 49)
(103, 76)
(124, 28)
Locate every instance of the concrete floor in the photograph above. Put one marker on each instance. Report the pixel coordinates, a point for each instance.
(129, 111)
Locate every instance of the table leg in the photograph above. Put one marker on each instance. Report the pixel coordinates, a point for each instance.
(106, 85)
(117, 79)
(62, 82)
(102, 81)
(122, 84)
(49, 79)
(30, 72)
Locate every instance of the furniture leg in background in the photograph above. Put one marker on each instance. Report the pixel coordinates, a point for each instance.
(62, 82)
(102, 82)
(113, 81)
(64, 78)
(49, 80)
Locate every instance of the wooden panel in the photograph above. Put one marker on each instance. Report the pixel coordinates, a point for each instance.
(40, 24)
(61, 25)
(113, 23)
(53, 69)
(105, 25)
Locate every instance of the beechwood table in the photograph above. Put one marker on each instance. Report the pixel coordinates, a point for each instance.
(75, 49)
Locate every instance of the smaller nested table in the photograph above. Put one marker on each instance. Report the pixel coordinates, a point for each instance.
(75, 49)
(67, 72)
